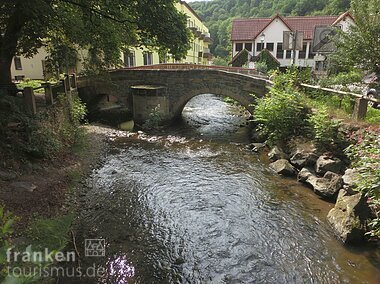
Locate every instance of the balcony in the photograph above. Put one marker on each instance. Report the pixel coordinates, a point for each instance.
(207, 53)
(207, 38)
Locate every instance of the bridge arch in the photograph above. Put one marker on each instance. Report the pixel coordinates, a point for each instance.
(245, 100)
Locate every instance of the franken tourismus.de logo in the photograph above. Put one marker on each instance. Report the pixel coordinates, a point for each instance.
(95, 247)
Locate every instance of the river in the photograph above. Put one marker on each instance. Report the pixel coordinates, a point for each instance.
(192, 204)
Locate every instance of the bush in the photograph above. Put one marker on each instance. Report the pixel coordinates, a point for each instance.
(325, 129)
(342, 79)
(261, 67)
(365, 156)
(281, 115)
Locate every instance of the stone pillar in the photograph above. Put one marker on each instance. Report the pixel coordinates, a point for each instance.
(29, 99)
(148, 99)
(48, 94)
(360, 109)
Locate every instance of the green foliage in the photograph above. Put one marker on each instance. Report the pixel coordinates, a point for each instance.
(359, 47)
(218, 14)
(103, 27)
(373, 116)
(43, 135)
(365, 156)
(262, 67)
(282, 114)
(325, 129)
(56, 129)
(342, 78)
(266, 57)
(154, 120)
(50, 233)
(241, 59)
(6, 222)
(219, 61)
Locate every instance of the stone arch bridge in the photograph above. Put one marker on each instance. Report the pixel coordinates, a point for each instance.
(171, 86)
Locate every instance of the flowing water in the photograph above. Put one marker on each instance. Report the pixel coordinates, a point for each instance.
(193, 205)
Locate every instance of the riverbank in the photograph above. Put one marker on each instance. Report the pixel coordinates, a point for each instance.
(41, 187)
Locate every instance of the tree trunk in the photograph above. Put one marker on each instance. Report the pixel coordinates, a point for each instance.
(6, 84)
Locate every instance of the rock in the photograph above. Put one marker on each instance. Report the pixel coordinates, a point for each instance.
(301, 159)
(276, 154)
(7, 176)
(304, 174)
(258, 137)
(349, 178)
(23, 186)
(327, 164)
(327, 186)
(256, 147)
(283, 167)
(348, 217)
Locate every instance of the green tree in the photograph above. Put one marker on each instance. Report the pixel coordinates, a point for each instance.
(102, 27)
(360, 46)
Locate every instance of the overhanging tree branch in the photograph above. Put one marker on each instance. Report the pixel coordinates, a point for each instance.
(121, 21)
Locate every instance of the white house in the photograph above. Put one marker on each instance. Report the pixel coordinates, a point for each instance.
(255, 34)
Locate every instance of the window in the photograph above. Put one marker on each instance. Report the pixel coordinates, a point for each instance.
(129, 59)
(280, 51)
(259, 46)
(288, 54)
(270, 46)
(238, 46)
(248, 46)
(148, 58)
(17, 61)
(310, 56)
(302, 53)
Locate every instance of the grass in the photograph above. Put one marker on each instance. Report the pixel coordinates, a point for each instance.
(50, 233)
(339, 107)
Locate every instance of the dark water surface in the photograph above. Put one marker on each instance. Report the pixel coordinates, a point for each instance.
(193, 205)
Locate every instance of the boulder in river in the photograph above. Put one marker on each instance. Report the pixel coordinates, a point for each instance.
(348, 217)
(283, 167)
(349, 178)
(276, 154)
(301, 158)
(328, 164)
(327, 186)
(304, 174)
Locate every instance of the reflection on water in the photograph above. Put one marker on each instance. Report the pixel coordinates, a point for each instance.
(189, 206)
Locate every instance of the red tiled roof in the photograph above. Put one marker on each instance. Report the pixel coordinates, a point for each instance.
(249, 29)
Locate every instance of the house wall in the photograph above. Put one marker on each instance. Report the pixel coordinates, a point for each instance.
(274, 34)
(30, 67)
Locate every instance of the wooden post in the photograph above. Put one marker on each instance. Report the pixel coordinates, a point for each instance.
(74, 81)
(360, 109)
(66, 86)
(29, 99)
(49, 94)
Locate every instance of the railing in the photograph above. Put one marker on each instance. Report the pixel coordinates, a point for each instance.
(182, 66)
(68, 86)
(361, 102)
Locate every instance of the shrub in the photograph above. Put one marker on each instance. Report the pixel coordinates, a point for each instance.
(154, 120)
(281, 115)
(261, 67)
(266, 58)
(343, 79)
(325, 129)
(365, 157)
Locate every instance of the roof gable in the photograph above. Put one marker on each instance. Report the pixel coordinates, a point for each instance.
(250, 29)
